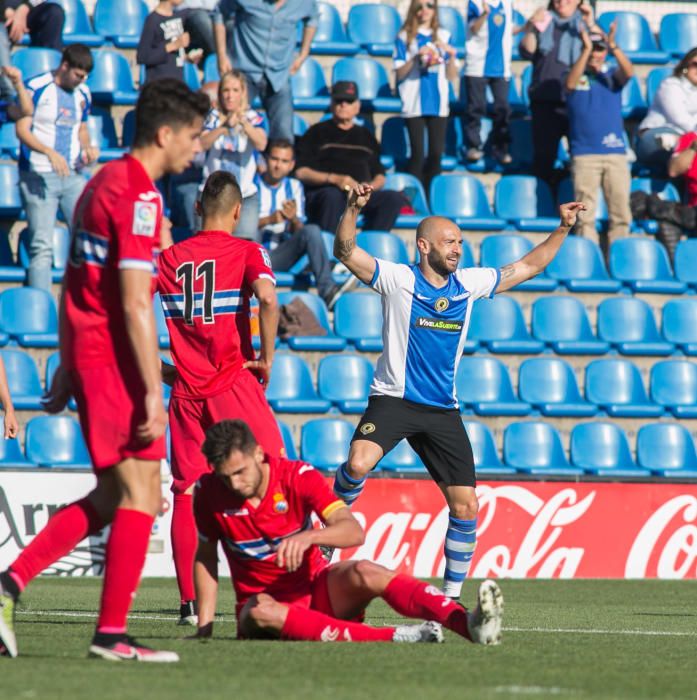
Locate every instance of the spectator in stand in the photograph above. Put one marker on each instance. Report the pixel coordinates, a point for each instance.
(334, 156)
(163, 43)
(489, 47)
(552, 41)
(598, 151)
(232, 135)
(55, 149)
(260, 42)
(282, 221)
(672, 113)
(10, 424)
(199, 23)
(42, 20)
(18, 104)
(424, 62)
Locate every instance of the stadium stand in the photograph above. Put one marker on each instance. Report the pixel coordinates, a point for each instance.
(358, 319)
(23, 380)
(374, 27)
(603, 449)
(120, 21)
(673, 384)
(56, 441)
(291, 389)
(486, 458)
(463, 199)
(678, 33)
(643, 265)
(402, 459)
(29, 317)
(634, 36)
(77, 28)
(536, 448)
(288, 441)
(325, 442)
(500, 250)
(345, 381)
(679, 324)
(667, 449)
(498, 324)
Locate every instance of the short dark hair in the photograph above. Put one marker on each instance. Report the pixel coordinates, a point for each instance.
(684, 62)
(166, 102)
(78, 56)
(226, 437)
(279, 143)
(220, 193)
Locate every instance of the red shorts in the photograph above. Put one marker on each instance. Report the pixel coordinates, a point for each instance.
(110, 408)
(190, 418)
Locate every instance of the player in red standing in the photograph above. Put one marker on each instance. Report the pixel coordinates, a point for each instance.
(109, 361)
(205, 286)
(259, 509)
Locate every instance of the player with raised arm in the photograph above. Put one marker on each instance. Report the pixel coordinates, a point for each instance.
(426, 311)
(258, 508)
(109, 362)
(205, 286)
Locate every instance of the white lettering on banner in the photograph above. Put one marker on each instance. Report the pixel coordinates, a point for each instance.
(390, 525)
(682, 544)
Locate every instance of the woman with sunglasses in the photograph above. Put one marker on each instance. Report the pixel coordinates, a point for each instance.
(424, 62)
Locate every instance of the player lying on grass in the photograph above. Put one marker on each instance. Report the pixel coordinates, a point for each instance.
(259, 509)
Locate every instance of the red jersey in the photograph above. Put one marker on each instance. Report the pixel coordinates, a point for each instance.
(691, 174)
(251, 535)
(205, 285)
(116, 226)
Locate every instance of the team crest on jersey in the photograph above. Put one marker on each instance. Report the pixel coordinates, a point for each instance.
(144, 218)
(265, 257)
(441, 304)
(367, 428)
(280, 505)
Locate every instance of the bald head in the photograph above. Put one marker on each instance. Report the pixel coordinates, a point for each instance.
(439, 243)
(431, 226)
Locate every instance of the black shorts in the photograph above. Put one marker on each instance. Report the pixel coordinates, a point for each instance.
(437, 435)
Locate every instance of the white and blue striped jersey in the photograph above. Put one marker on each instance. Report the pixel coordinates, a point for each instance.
(58, 115)
(424, 91)
(488, 52)
(424, 330)
(271, 198)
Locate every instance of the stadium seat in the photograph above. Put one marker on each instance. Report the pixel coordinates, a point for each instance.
(120, 21)
(526, 202)
(324, 442)
(373, 83)
(34, 60)
(413, 190)
(579, 266)
(685, 256)
(627, 323)
(633, 102)
(602, 449)
(616, 387)
(291, 390)
(536, 448)
(288, 442)
(482, 384)
(160, 322)
(463, 199)
(52, 364)
(486, 457)
(9, 143)
(562, 323)
(345, 381)
(56, 441)
(210, 69)
(103, 135)
(10, 271)
(678, 33)
(521, 139)
(29, 317)
(449, 18)
(309, 87)
(384, 245)
(11, 455)
(321, 343)
(23, 380)
(374, 27)
(110, 81)
(330, 38)
(61, 251)
(501, 249)
(300, 126)
(402, 458)
(565, 193)
(634, 36)
(358, 319)
(10, 200)
(642, 264)
(667, 449)
(673, 384)
(679, 324)
(77, 28)
(549, 385)
(499, 325)
(654, 79)
(395, 146)
(191, 77)
(518, 21)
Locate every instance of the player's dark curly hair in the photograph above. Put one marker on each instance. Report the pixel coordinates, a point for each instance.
(226, 437)
(167, 102)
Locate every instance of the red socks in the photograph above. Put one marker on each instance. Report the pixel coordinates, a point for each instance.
(184, 544)
(413, 598)
(312, 626)
(125, 556)
(62, 533)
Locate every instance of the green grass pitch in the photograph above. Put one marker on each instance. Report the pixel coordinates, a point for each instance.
(562, 639)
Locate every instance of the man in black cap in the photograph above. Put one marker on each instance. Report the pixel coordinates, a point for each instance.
(334, 156)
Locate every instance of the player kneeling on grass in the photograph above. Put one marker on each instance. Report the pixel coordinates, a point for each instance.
(259, 509)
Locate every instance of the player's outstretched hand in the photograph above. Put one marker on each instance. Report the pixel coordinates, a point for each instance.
(290, 552)
(261, 369)
(155, 421)
(569, 212)
(359, 195)
(57, 397)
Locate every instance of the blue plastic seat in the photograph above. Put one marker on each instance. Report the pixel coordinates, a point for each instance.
(486, 457)
(667, 449)
(603, 449)
(23, 380)
(526, 202)
(210, 69)
(300, 126)
(384, 245)
(463, 199)
(291, 389)
(371, 77)
(673, 384)
(10, 271)
(77, 28)
(449, 18)
(402, 458)
(627, 323)
(345, 381)
(679, 324)
(10, 200)
(678, 33)
(482, 384)
(56, 441)
(325, 343)
(536, 448)
(330, 38)
(103, 135)
(191, 76)
(579, 266)
(34, 60)
(358, 319)
(563, 324)
(616, 387)
(499, 325)
(9, 143)
(685, 267)
(288, 442)
(634, 36)
(324, 442)
(11, 455)
(374, 27)
(501, 249)
(395, 146)
(654, 79)
(61, 251)
(52, 364)
(309, 87)
(633, 102)
(120, 21)
(29, 317)
(110, 81)
(642, 264)
(413, 189)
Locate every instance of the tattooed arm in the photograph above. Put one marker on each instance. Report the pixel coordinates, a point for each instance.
(541, 255)
(360, 263)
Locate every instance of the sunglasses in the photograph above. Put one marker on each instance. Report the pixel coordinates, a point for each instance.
(426, 6)
(342, 100)
(598, 48)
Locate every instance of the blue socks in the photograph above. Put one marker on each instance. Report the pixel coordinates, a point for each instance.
(346, 487)
(460, 541)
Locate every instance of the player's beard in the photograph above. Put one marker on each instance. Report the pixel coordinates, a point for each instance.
(438, 263)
